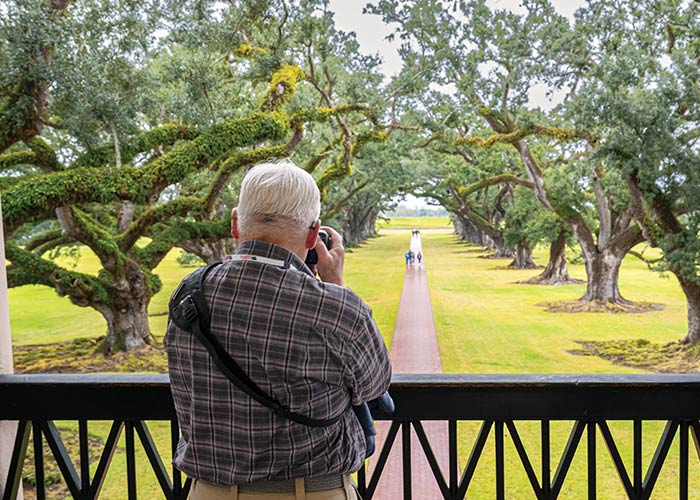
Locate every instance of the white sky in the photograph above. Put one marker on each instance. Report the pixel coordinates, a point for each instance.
(371, 33)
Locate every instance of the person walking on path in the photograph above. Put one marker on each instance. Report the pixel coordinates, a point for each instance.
(312, 345)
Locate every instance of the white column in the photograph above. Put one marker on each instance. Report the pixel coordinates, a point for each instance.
(7, 429)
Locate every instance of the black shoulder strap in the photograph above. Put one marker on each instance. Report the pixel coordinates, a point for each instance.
(189, 311)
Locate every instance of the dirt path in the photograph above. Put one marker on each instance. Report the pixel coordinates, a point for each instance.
(414, 349)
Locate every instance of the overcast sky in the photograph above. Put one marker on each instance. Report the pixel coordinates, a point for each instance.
(371, 33)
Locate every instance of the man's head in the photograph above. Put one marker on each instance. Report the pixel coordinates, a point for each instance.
(279, 203)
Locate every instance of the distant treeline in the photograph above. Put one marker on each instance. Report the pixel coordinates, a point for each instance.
(404, 211)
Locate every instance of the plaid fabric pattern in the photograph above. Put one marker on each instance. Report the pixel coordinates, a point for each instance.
(313, 346)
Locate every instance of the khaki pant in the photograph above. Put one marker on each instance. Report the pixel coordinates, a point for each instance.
(206, 491)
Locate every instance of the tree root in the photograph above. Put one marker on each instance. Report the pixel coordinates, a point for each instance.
(600, 306)
(538, 280)
(673, 357)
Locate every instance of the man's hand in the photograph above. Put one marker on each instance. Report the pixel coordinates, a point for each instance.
(330, 262)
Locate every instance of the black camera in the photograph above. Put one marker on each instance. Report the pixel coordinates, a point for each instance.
(312, 255)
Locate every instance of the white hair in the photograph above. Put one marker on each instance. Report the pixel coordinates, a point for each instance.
(277, 193)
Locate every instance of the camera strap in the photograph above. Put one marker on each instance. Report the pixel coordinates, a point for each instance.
(189, 311)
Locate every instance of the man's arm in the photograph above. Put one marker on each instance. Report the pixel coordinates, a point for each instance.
(367, 359)
(367, 363)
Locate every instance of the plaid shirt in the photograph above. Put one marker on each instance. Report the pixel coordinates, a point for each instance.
(312, 346)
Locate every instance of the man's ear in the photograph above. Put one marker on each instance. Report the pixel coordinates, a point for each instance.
(234, 223)
(312, 234)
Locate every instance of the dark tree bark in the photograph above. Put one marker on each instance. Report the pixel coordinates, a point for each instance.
(358, 223)
(617, 235)
(210, 251)
(493, 236)
(556, 273)
(468, 231)
(127, 315)
(522, 258)
(691, 289)
(603, 265)
(497, 244)
(666, 220)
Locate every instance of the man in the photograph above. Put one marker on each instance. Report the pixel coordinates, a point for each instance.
(312, 345)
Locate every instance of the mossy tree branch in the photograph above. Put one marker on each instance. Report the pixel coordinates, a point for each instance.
(22, 113)
(38, 198)
(8, 161)
(465, 191)
(521, 133)
(29, 268)
(232, 164)
(338, 205)
(46, 157)
(176, 231)
(155, 139)
(85, 229)
(178, 207)
(43, 238)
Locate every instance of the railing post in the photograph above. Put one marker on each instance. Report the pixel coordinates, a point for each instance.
(8, 429)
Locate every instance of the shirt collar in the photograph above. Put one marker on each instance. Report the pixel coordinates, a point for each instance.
(272, 251)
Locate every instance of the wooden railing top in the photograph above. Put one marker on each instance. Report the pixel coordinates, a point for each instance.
(459, 397)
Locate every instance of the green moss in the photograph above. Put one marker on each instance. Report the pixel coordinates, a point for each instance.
(282, 87)
(38, 197)
(245, 50)
(165, 135)
(516, 135)
(187, 158)
(342, 165)
(45, 154)
(101, 242)
(29, 268)
(9, 160)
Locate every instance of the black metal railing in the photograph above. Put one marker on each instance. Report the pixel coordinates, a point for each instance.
(498, 402)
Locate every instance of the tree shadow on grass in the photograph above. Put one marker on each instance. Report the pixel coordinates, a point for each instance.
(673, 357)
(84, 356)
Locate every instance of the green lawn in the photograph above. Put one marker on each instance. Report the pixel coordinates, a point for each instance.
(415, 223)
(39, 316)
(485, 323)
(488, 324)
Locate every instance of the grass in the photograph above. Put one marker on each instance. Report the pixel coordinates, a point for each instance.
(58, 320)
(485, 322)
(488, 324)
(375, 271)
(415, 223)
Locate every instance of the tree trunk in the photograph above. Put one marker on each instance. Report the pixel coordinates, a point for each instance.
(210, 252)
(556, 273)
(125, 215)
(358, 224)
(468, 231)
(523, 257)
(127, 311)
(127, 327)
(498, 245)
(603, 271)
(691, 289)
